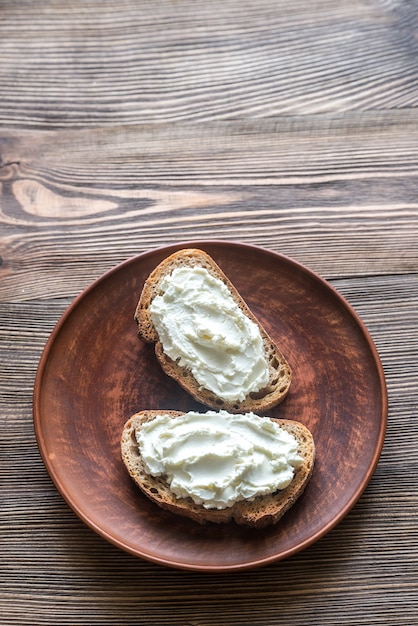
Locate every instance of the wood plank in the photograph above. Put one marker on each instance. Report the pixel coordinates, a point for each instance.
(175, 61)
(76, 204)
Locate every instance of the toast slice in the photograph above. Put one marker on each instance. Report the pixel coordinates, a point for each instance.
(264, 510)
(279, 371)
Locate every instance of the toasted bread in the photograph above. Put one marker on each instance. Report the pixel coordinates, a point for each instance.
(279, 370)
(258, 513)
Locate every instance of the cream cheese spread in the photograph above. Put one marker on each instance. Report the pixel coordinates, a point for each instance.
(217, 458)
(200, 325)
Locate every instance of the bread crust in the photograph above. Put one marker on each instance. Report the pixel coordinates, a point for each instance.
(280, 373)
(258, 513)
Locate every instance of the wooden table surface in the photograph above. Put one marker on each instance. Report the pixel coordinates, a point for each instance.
(132, 125)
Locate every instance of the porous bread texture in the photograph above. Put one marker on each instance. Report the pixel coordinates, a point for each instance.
(279, 369)
(258, 513)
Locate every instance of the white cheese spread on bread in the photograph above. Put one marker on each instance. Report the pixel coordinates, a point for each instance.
(202, 328)
(218, 458)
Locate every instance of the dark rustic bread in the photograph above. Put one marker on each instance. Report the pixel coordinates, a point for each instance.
(279, 369)
(258, 513)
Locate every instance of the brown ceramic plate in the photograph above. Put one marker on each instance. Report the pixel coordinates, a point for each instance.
(95, 372)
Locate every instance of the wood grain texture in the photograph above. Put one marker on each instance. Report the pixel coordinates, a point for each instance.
(133, 125)
(306, 188)
(84, 65)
